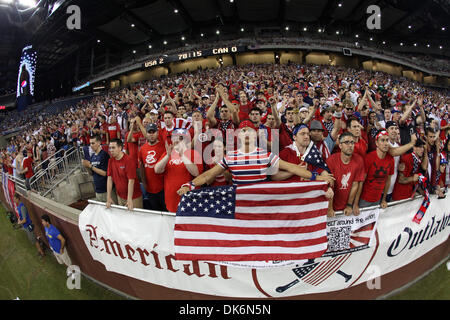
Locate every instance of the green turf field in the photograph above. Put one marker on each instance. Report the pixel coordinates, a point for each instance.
(26, 276)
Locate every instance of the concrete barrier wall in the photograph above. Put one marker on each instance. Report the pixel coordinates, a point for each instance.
(65, 219)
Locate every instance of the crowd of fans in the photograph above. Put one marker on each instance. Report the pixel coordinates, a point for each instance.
(147, 144)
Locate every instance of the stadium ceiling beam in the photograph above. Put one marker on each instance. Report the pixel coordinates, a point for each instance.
(419, 9)
(183, 12)
(219, 12)
(141, 24)
(328, 9)
(281, 9)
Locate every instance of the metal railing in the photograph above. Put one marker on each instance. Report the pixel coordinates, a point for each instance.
(57, 171)
(40, 166)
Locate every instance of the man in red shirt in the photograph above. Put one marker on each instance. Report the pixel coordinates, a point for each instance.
(408, 173)
(27, 165)
(179, 164)
(379, 167)
(149, 155)
(348, 170)
(122, 173)
(113, 128)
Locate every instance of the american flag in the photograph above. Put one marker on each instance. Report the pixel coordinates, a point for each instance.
(254, 222)
(314, 157)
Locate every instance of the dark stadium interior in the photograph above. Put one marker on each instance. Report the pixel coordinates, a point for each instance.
(107, 38)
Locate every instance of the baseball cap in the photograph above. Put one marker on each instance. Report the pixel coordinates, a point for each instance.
(152, 127)
(391, 124)
(315, 125)
(205, 96)
(154, 111)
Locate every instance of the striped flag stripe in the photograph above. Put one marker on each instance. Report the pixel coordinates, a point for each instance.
(325, 270)
(326, 276)
(250, 195)
(261, 237)
(243, 230)
(317, 270)
(273, 186)
(279, 216)
(277, 203)
(223, 236)
(253, 223)
(285, 209)
(248, 243)
(363, 240)
(251, 250)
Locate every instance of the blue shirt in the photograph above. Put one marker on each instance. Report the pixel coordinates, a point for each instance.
(52, 234)
(100, 161)
(23, 212)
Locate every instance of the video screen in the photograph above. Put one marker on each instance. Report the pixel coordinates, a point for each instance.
(27, 69)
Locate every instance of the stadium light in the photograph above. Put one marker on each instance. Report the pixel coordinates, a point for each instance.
(305, 29)
(287, 28)
(149, 46)
(217, 32)
(428, 45)
(440, 47)
(165, 42)
(340, 5)
(201, 34)
(443, 28)
(183, 38)
(132, 25)
(356, 35)
(175, 10)
(98, 41)
(242, 29)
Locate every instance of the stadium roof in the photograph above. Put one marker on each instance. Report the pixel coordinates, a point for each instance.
(116, 28)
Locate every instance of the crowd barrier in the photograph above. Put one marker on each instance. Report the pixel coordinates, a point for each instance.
(374, 254)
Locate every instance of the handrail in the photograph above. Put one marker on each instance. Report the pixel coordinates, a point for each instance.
(47, 160)
(43, 181)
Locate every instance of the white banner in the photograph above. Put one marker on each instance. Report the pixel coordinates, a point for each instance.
(140, 245)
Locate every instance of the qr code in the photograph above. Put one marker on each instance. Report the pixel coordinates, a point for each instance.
(338, 238)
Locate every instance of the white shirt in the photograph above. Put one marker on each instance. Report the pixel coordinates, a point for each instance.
(396, 161)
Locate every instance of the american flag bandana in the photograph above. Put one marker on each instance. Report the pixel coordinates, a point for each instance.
(426, 200)
(328, 126)
(314, 157)
(417, 163)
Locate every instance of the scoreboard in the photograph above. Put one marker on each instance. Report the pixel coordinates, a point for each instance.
(193, 54)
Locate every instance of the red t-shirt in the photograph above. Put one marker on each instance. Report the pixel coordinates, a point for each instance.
(175, 175)
(121, 171)
(345, 175)
(288, 154)
(149, 156)
(404, 191)
(27, 163)
(377, 170)
(113, 130)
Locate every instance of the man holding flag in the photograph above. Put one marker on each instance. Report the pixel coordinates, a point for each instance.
(253, 220)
